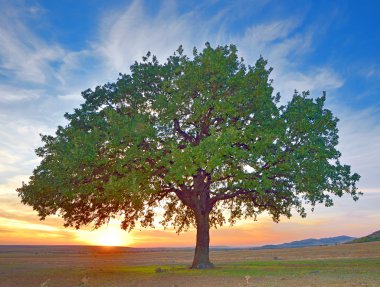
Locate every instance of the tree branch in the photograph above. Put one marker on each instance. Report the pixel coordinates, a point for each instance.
(178, 129)
(225, 196)
(204, 126)
(223, 178)
(160, 195)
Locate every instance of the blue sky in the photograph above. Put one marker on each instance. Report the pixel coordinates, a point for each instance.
(50, 51)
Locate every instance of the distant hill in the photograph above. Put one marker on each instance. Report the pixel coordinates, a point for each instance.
(310, 242)
(369, 238)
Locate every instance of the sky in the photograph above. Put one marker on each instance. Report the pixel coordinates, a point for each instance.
(50, 51)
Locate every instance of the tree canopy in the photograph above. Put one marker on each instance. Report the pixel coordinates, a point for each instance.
(203, 137)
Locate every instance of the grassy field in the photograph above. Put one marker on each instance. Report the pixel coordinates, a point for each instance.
(341, 265)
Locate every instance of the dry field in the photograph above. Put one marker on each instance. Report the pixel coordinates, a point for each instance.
(44, 266)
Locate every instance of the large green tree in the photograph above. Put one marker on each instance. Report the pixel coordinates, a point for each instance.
(201, 137)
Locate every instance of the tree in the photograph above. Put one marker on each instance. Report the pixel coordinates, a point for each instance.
(202, 137)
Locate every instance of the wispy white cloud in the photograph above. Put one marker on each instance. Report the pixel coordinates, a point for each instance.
(360, 142)
(371, 71)
(272, 38)
(283, 46)
(24, 56)
(130, 34)
(19, 138)
(30, 65)
(315, 80)
(127, 35)
(13, 94)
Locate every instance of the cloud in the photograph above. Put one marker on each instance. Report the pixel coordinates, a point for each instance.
(284, 46)
(19, 138)
(264, 34)
(33, 67)
(273, 40)
(315, 80)
(13, 94)
(127, 35)
(130, 34)
(359, 132)
(23, 56)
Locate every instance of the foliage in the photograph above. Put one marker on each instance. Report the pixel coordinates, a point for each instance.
(201, 133)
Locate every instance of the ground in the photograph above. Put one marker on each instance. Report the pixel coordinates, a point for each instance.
(340, 265)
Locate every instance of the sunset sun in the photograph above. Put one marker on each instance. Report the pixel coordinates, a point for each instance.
(111, 236)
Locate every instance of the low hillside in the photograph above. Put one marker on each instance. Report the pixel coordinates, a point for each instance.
(369, 238)
(310, 242)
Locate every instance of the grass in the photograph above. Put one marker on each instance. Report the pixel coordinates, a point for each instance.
(334, 266)
(330, 272)
(266, 268)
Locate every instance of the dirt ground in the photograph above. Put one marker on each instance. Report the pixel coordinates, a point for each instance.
(48, 266)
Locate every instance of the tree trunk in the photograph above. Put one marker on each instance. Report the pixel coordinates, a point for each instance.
(201, 254)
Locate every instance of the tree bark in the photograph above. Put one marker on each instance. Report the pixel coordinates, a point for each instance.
(202, 248)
